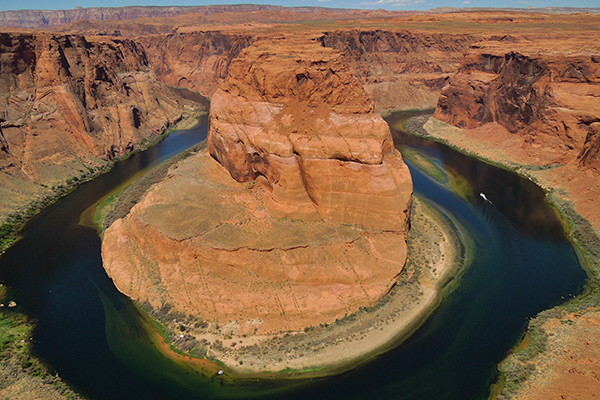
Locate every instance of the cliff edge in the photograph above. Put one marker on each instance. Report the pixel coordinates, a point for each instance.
(532, 104)
(68, 104)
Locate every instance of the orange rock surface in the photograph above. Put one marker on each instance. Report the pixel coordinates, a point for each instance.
(534, 103)
(544, 92)
(196, 60)
(526, 92)
(67, 102)
(292, 116)
(401, 69)
(206, 245)
(306, 223)
(569, 368)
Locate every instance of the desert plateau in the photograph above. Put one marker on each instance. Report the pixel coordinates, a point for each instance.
(235, 201)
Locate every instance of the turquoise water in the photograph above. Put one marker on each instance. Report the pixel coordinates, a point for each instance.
(99, 343)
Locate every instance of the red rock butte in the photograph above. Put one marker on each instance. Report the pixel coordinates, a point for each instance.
(304, 218)
(292, 116)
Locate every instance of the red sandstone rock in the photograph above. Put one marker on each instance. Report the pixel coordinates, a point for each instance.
(590, 155)
(198, 60)
(321, 230)
(401, 69)
(292, 113)
(544, 93)
(66, 102)
(206, 245)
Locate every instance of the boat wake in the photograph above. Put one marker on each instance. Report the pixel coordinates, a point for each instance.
(484, 197)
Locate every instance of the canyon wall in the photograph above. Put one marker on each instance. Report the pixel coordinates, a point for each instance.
(590, 154)
(197, 60)
(49, 18)
(304, 218)
(401, 69)
(67, 104)
(547, 97)
(398, 69)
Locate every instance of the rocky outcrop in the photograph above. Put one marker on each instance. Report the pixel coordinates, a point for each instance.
(292, 116)
(590, 155)
(398, 70)
(67, 103)
(306, 222)
(544, 95)
(207, 246)
(401, 69)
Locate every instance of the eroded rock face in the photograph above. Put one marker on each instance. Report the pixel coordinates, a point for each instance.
(303, 220)
(198, 61)
(66, 102)
(546, 95)
(401, 69)
(47, 18)
(590, 155)
(291, 114)
(398, 70)
(206, 245)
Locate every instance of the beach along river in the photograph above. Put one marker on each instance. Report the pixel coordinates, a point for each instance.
(99, 343)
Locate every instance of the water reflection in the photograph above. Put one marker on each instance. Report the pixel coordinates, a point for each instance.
(522, 201)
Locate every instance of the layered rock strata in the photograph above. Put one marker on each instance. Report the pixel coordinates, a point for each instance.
(590, 154)
(67, 103)
(198, 60)
(401, 69)
(292, 116)
(544, 96)
(398, 69)
(303, 220)
(47, 18)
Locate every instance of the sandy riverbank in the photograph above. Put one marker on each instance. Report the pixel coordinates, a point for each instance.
(434, 253)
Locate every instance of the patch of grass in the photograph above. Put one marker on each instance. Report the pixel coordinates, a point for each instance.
(583, 235)
(167, 323)
(18, 366)
(424, 163)
(292, 371)
(9, 229)
(518, 367)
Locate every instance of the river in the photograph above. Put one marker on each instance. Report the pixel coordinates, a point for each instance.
(98, 342)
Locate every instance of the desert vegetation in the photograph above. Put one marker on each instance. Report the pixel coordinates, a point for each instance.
(21, 373)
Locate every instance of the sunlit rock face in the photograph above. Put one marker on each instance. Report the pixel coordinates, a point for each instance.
(66, 103)
(545, 94)
(297, 215)
(291, 114)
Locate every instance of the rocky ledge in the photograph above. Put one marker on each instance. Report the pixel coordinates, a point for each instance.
(303, 219)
